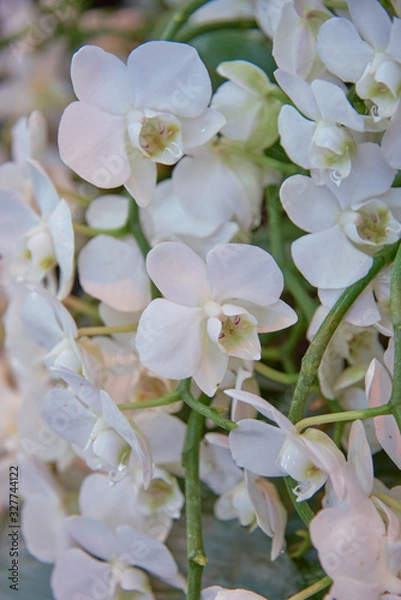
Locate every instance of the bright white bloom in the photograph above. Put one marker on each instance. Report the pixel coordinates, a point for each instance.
(375, 67)
(130, 117)
(35, 242)
(325, 139)
(249, 102)
(309, 458)
(347, 223)
(118, 553)
(168, 219)
(210, 311)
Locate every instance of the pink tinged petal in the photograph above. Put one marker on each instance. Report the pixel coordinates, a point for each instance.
(43, 527)
(171, 77)
(326, 456)
(236, 333)
(337, 40)
(144, 551)
(78, 575)
(359, 455)
(92, 143)
(199, 130)
(16, 218)
(141, 183)
(169, 339)
(129, 432)
(270, 513)
(240, 271)
(328, 259)
(256, 446)
(391, 143)
(45, 193)
(102, 80)
(94, 536)
(334, 106)
(108, 212)
(62, 234)
(310, 206)
(296, 135)
(66, 416)
(212, 367)
(370, 176)
(113, 270)
(300, 92)
(344, 588)
(179, 273)
(378, 390)
(372, 21)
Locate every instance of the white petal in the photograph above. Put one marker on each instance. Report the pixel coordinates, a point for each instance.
(311, 207)
(16, 218)
(141, 184)
(44, 191)
(296, 135)
(328, 259)
(179, 273)
(337, 40)
(76, 574)
(43, 526)
(148, 553)
(165, 434)
(255, 446)
(200, 130)
(359, 455)
(113, 270)
(240, 271)
(67, 417)
(62, 234)
(372, 22)
(334, 106)
(92, 143)
(101, 79)
(275, 317)
(47, 319)
(169, 339)
(94, 536)
(300, 93)
(169, 77)
(212, 368)
(391, 143)
(108, 212)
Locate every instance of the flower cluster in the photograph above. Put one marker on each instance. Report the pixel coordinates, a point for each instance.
(175, 231)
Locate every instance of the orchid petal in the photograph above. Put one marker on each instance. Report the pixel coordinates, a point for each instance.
(296, 135)
(74, 575)
(255, 446)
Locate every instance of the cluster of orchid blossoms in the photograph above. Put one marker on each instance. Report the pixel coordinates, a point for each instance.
(146, 341)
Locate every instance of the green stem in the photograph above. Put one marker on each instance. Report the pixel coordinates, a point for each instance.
(189, 33)
(195, 552)
(179, 19)
(313, 589)
(107, 330)
(314, 354)
(92, 231)
(395, 308)
(274, 375)
(347, 415)
(202, 409)
(163, 401)
(303, 509)
(80, 306)
(392, 502)
(266, 161)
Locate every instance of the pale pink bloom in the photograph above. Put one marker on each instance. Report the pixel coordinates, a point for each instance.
(309, 458)
(131, 116)
(210, 311)
(346, 224)
(378, 390)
